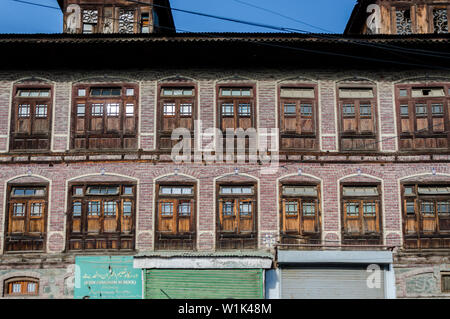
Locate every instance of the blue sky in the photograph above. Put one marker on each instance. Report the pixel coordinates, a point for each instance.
(329, 15)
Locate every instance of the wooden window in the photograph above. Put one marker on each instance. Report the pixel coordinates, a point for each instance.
(105, 117)
(175, 216)
(445, 280)
(403, 20)
(26, 218)
(102, 216)
(176, 110)
(423, 118)
(236, 108)
(357, 109)
(298, 120)
(18, 286)
(439, 20)
(31, 118)
(236, 216)
(361, 214)
(426, 215)
(300, 213)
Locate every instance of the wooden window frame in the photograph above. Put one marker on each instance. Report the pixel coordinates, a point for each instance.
(88, 135)
(33, 102)
(417, 219)
(415, 135)
(314, 134)
(372, 137)
(36, 239)
(178, 101)
(371, 237)
(300, 200)
(430, 14)
(101, 237)
(175, 239)
(24, 282)
(236, 100)
(237, 235)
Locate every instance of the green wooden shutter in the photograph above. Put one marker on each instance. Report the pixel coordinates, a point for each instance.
(204, 284)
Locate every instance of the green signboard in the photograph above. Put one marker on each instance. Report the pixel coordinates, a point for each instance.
(107, 277)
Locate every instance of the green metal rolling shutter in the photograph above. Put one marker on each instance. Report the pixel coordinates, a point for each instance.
(204, 284)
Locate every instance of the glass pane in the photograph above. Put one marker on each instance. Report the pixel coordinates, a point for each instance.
(245, 209)
(306, 109)
(244, 109)
(130, 92)
(76, 209)
(291, 208)
(427, 208)
(184, 209)
(369, 209)
(403, 93)
(167, 209)
(226, 92)
(404, 110)
(127, 208)
(82, 92)
(348, 109)
(186, 109)
(78, 190)
(18, 209)
(410, 208)
(421, 109)
(17, 288)
(109, 208)
(443, 207)
(94, 208)
(289, 109)
(309, 209)
(352, 209)
(112, 109)
(227, 208)
(31, 287)
(169, 109)
(128, 190)
(129, 109)
(365, 110)
(81, 110)
(36, 210)
(24, 110)
(97, 109)
(41, 110)
(227, 109)
(437, 109)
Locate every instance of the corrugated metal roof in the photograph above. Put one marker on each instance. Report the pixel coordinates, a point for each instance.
(190, 254)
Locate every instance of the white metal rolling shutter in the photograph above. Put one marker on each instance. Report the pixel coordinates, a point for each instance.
(328, 283)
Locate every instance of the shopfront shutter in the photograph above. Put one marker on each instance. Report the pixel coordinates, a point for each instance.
(329, 283)
(204, 284)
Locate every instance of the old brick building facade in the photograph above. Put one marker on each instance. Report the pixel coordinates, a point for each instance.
(85, 167)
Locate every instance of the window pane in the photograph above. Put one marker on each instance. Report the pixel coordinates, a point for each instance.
(167, 209)
(24, 110)
(130, 92)
(129, 109)
(403, 93)
(427, 208)
(348, 109)
(17, 288)
(410, 208)
(94, 208)
(128, 190)
(369, 209)
(289, 109)
(309, 209)
(169, 109)
(18, 209)
(81, 110)
(97, 109)
(404, 110)
(184, 209)
(227, 209)
(127, 208)
(41, 110)
(443, 207)
(112, 109)
(109, 208)
(306, 109)
(365, 110)
(291, 208)
(245, 209)
(82, 92)
(76, 209)
(244, 109)
(227, 109)
(186, 109)
(421, 109)
(31, 288)
(36, 210)
(437, 109)
(352, 209)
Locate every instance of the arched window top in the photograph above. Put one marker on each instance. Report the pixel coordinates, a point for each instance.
(21, 286)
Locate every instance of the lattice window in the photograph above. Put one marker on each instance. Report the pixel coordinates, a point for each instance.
(403, 20)
(126, 21)
(440, 21)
